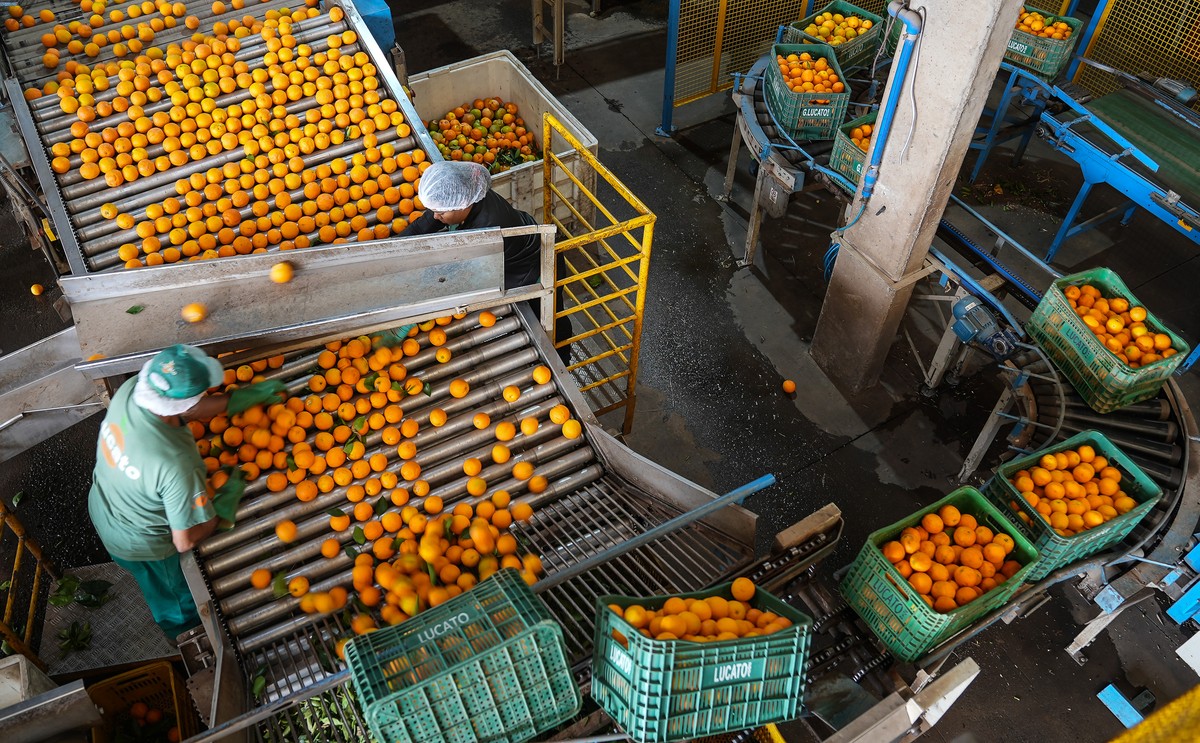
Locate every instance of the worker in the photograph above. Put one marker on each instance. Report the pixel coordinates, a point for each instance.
(150, 498)
(458, 196)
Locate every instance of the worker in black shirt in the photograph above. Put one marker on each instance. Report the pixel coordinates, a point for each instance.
(458, 195)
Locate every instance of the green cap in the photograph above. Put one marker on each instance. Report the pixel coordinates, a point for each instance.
(182, 372)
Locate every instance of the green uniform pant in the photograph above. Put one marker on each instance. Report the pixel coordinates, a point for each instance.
(166, 591)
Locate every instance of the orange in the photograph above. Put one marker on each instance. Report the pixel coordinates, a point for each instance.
(932, 523)
(920, 562)
(893, 551)
(921, 583)
(260, 578)
(286, 531)
(949, 515)
(298, 586)
(743, 589)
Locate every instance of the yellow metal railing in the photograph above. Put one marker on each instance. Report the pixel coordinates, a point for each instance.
(603, 261)
(20, 547)
(1159, 37)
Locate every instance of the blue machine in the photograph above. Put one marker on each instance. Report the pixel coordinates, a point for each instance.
(975, 323)
(378, 16)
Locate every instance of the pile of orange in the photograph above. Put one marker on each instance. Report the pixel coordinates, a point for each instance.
(710, 619)
(486, 131)
(1040, 25)
(1120, 326)
(142, 722)
(1072, 491)
(399, 525)
(836, 29)
(861, 136)
(950, 560)
(803, 74)
(260, 193)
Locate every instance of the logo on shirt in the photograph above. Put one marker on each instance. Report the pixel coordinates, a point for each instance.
(112, 444)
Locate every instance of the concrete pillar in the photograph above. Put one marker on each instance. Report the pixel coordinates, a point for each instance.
(960, 52)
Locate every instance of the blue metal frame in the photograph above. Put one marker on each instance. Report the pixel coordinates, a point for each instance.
(1033, 91)
(1120, 706)
(1100, 166)
(667, 128)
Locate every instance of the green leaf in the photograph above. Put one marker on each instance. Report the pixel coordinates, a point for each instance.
(360, 536)
(135, 309)
(369, 380)
(428, 389)
(398, 386)
(381, 505)
(259, 685)
(5, 585)
(335, 512)
(433, 578)
(348, 446)
(291, 463)
(446, 529)
(350, 552)
(397, 542)
(64, 594)
(363, 608)
(279, 587)
(358, 424)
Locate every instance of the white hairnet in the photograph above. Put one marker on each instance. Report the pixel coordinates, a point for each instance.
(450, 185)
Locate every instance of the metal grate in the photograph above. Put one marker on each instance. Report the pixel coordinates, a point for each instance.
(606, 513)
(295, 663)
(718, 39)
(1161, 38)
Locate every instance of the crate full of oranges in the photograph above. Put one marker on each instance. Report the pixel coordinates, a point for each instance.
(849, 155)
(806, 90)
(1112, 349)
(697, 664)
(1073, 499)
(854, 31)
(921, 580)
(1041, 42)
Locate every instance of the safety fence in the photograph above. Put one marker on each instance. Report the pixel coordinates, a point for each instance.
(1158, 37)
(603, 260)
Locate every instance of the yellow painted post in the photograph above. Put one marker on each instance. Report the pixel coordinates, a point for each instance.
(718, 39)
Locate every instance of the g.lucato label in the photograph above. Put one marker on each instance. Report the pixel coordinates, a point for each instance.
(729, 673)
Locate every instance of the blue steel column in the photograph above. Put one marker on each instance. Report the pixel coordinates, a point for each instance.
(666, 128)
(1089, 32)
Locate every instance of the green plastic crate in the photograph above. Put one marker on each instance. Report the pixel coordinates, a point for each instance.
(847, 158)
(1043, 56)
(1104, 381)
(487, 665)
(896, 613)
(1057, 551)
(666, 690)
(806, 115)
(857, 52)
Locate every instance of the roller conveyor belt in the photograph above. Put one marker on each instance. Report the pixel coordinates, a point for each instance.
(93, 241)
(589, 506)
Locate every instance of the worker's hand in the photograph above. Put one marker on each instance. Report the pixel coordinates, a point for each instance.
(393, 337)
(229, 496)
(259, 393)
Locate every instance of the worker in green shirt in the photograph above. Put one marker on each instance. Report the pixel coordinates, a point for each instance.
(150, 498)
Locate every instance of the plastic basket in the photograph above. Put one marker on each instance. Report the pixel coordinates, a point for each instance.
(806, 115)
(858, 51)
(1046, 57)
(489, 664)
(1103, 381)
(896, 613)
(847, 158)
(157, 685)
(666, 690)
(1057, 551)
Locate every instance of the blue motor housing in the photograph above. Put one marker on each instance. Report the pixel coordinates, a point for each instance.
(975, 323)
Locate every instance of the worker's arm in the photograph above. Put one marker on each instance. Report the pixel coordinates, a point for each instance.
(423, 225)
(209, 407)
(188, 538)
